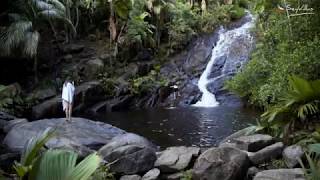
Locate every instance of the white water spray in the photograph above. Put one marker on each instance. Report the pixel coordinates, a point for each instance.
(226, 38)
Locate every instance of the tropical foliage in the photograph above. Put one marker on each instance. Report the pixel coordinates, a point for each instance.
(301, 100)
(286, 44)
(312, 170)
(53, 164)
(22, 35)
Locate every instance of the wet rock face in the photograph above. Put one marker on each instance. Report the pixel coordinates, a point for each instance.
(129, 154)
(221, 164)
(80, 135)
(86, 95)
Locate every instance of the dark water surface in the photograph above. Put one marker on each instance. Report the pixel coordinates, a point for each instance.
(188, 126)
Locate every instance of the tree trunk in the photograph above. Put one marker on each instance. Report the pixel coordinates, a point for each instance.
(35, 69)
(112, 23)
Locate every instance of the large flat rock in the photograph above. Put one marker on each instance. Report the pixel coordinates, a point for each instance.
(280, 174)
(79, 134)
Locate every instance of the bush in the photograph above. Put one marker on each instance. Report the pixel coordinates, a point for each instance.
(279, 53)
(237, 12)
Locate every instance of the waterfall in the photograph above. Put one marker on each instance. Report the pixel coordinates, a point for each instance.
(227, 40)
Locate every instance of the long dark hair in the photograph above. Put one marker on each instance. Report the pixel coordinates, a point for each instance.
(68, 80)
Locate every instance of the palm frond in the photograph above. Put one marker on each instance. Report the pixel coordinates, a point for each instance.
(57, 15)
(314, 148)
(14, 36)
(34, 145)
(15, 17)
(51, 14)
(61, 164)
(307, 109)
(302, 99)
(31, 43)
(42, 5)
(58, 5)
(85, 168)
(55, 164)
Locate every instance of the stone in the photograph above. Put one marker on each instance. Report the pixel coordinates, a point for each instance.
(130, 177)
(48, 108)
(153, 174)
(129, 154)
(44, 94)
(252, 171)
(73, 48)
(13, 123)
(242, 132)
(292, 154)
(5, 116)
(105, 57)
(92, 37)
(10, 91)
(93, 67)
(266, 154)
(119, 103)
(80, 133)
(7, 159)
(67, 58)
(175, 176)
(175, 159)
(221, 164)
(86, 95)
(254, 142)
(131, 70)
(281, 174)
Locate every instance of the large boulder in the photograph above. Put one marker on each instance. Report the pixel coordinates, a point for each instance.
(92, 67)
(292, 154)
(48, 108)
(266, 154)
(43, 94)
(129, 154)
(250, 143)
(13, 123)
(79, 134)
(175, 159)
(280, 174)
(242, 132)
(221, 164)
(86, 95)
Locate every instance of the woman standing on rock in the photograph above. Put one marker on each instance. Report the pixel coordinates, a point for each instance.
(67, 98)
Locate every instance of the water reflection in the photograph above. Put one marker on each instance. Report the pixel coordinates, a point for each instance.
(203, 127)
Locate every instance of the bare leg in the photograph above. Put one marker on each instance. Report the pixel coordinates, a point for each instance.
(70, 111)
(66, 111)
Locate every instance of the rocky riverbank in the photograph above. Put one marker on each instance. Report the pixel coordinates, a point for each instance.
(132, 157)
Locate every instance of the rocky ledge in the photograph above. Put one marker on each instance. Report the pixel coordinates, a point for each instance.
(130, 156)
(80, 134)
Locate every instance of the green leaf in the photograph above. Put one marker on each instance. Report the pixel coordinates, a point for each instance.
(85, 168)
(34, 145)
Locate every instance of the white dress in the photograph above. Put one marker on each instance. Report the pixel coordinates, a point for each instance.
(67, 95)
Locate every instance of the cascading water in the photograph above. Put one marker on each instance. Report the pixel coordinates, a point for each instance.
(228, 39)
